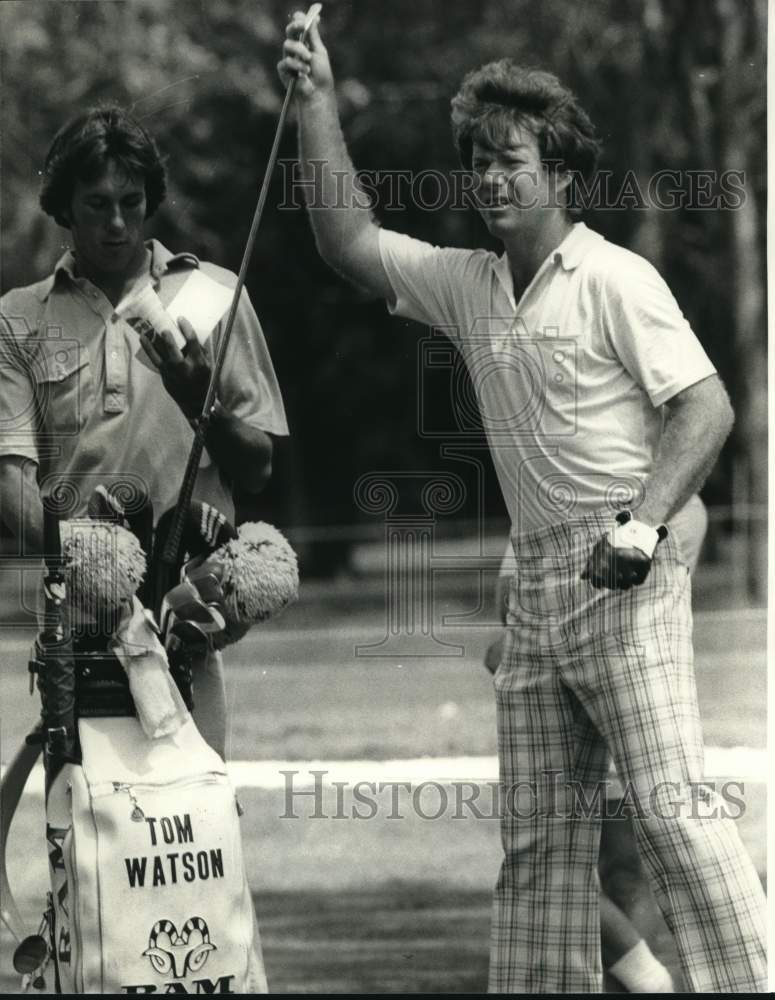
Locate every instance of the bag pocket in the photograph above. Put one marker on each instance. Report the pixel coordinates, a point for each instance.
(171, 881)
(160, 899)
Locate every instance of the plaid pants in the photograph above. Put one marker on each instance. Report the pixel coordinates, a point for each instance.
(587, 675)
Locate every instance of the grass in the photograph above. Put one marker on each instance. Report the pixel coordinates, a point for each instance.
(401, 938)
(357, 906)
(304, 694)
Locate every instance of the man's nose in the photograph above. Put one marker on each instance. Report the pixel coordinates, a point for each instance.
(492, 180)
(116, 221)
(494, 176)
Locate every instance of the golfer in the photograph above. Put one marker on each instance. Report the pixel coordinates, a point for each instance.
(628, 422)
(86, 400)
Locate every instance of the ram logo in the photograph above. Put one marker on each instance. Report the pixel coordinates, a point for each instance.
(179, 954)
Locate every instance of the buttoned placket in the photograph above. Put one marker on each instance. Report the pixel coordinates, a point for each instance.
(114, 349)
(518, 326)
(116, 375)
(564, 256)
(530, 328)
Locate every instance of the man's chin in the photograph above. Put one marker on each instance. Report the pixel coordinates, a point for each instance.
(500, 221)
(119, 258)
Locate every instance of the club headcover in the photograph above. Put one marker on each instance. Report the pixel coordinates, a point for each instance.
(104, 566)
(190, 613)
(248, 578)
(260, 573)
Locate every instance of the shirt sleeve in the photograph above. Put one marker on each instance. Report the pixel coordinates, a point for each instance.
(248, 385)
(18, 421)
(650, 334)
(426, 280)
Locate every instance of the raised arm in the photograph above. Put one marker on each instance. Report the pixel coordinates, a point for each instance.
(346, 234)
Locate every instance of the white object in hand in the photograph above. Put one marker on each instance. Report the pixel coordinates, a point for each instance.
(145, 313)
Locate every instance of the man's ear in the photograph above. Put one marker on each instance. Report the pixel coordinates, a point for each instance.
(562, 181)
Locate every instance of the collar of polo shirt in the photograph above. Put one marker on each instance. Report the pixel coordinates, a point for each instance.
(569, 254)
(161, 262)
(575, 246)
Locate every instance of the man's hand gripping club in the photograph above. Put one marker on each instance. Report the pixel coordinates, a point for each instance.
(306, 61)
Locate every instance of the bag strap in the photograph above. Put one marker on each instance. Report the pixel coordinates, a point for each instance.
(11, 788)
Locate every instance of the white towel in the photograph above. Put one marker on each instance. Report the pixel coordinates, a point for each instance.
(160, 707)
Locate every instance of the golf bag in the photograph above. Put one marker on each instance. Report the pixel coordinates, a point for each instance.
(149, 893)
(148, 886)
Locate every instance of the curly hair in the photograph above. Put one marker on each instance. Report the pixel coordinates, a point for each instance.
(497, 97)
(82, 149)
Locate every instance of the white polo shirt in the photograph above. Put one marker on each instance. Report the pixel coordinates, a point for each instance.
(570, 380)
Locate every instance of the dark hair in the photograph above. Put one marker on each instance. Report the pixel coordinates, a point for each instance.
(500, 95)
(82, 149)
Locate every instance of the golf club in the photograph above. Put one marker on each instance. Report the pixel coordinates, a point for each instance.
(171, 549)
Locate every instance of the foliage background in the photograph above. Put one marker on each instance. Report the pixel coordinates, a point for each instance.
(671, 84)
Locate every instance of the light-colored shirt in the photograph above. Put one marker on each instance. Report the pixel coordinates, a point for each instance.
(570, 380)
(79, 397)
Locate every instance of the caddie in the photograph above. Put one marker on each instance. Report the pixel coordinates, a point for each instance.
(86, 399)
(604, 416)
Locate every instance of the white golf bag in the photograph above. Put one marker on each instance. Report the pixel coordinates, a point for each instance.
(148, 887)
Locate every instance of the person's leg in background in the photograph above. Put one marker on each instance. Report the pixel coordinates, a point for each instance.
(627, 905)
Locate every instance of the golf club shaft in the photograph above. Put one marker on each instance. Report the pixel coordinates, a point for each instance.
(172, 545)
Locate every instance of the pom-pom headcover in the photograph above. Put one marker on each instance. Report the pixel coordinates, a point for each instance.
(104, 565)
(259, 573)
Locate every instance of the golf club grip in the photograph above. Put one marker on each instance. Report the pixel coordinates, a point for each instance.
(52, 558)
(52, 542)
(173, 541)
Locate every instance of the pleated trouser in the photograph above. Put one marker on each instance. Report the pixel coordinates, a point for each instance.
(588, 675)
